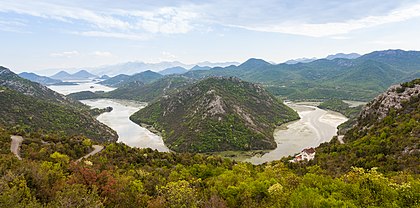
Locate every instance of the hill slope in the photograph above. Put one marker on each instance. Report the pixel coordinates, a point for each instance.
(217, 114)
(122, 79)
(387, 135)
(40, 79)
(30, 107)
(139, 91)
(27, 114)
(360, 79)
(13, 81)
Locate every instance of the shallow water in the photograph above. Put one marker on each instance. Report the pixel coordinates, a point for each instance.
(315, 127)
(128, 132)
(81, 86)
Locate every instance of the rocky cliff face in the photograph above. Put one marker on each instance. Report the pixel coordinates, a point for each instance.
(217, 114)
(387, 135)
(393, 98)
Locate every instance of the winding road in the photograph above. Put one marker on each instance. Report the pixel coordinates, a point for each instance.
(17, 142)
(15, 145)
(96, 149)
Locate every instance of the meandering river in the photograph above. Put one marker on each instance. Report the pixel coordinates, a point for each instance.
(315, 126)
(128, 132)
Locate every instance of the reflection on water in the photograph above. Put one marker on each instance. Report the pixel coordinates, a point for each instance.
(129, 133)
(315, 127)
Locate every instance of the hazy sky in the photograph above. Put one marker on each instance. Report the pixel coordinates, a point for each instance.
(40, 34)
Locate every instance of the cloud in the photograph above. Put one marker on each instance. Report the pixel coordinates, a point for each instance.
(107, 22)
(105, 34)
(335, 28)
(66, 54)
(102, 54)
(141, 21)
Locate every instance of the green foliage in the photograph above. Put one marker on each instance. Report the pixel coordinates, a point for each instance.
(27, 115)
(391, 144)
(217, 114)
(139, 91)
(358, 79)
(122, 79)
(121, 176)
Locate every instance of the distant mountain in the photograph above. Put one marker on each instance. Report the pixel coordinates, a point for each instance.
(115, 81)
(120, 80)
(300, 60)
(13, 81)
(362, 78)
(197, 67)
(80, 75)
(217, 114)
(61, 75)
(254, 63)
(406, 61)
(29, 107)
(40, 79)
(104, 77)
(131, 68)
(216, 64)
(343, 56)
(173, 70)
(83, 74)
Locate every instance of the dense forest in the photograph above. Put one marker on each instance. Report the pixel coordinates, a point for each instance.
(121, 176)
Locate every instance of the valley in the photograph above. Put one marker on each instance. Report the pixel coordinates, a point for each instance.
(315, 126)
(209, 104)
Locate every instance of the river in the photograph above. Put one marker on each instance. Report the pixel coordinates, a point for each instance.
(128, 132)
(315, 127)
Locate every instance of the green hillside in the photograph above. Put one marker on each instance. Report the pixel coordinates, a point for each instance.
(139, 91)
(357, 79)
(26, 114)
(387, 135)
(121, 80)
(217, 114)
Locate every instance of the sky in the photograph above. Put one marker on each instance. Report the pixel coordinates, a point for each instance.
(45, 34)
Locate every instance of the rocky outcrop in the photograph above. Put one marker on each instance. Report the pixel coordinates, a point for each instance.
(391, 99)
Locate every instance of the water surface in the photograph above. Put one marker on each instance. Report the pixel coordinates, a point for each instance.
(87, 85)
(315, 127)
(128, 132)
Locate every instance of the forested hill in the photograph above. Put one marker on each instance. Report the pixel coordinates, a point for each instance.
(13, 81)
(360, 79)
(28, 107)
(217, 114)
(23, 114)
(139, 91)
(122, 79)
(387, 135)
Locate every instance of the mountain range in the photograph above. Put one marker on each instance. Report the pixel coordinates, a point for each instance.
(40, 79)
(131, 68)
(80, 75)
